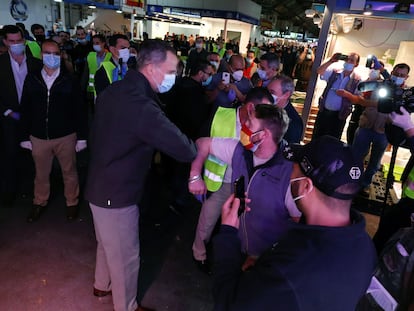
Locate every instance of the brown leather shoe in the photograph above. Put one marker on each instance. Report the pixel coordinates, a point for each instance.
(101, 293)
(141, 308)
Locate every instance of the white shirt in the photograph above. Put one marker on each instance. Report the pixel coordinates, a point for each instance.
(334, 102)
(49, 80)
(19, 73)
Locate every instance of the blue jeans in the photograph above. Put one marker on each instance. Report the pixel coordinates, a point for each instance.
(363, 140)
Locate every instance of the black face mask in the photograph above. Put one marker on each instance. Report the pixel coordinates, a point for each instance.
(40, 38)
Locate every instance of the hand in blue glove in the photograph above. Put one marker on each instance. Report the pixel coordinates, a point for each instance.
(377, 65)
(231, 95)
(15, 115)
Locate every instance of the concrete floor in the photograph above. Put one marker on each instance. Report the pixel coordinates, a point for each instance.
(49, 265)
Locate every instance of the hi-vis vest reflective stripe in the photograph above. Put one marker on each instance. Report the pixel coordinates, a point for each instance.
(93, 67)
(224, 125)
(408, 188)
(34, 48)
(109, 68)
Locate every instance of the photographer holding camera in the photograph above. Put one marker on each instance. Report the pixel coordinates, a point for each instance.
(398, 216)
(334, 107)
(370, 132)
(379, 99)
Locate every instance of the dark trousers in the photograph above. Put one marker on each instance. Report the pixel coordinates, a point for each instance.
(328, 123)
(392, 219)
(15, 163)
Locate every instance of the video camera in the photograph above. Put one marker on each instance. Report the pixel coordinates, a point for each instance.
(390, 97)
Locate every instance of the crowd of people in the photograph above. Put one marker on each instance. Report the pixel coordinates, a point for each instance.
(215, 115)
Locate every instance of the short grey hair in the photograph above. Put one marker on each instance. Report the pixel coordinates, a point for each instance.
(153, 51)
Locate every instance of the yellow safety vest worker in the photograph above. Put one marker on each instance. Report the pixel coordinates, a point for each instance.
(93, 67)
(223, 125)
(34, 48)
(408, 187)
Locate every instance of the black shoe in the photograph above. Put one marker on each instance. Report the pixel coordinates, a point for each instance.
(72, 212)
(35, 213)
(203, 266)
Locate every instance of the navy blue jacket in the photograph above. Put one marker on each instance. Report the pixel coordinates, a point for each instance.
(128, 126)
(312, 268)
(266, 186)
(54, 114)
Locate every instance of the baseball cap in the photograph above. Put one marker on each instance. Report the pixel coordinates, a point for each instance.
(329, 163)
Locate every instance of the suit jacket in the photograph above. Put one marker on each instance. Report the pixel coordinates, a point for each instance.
(8, 94)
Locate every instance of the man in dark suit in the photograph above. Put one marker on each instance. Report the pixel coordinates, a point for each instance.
(14, 67)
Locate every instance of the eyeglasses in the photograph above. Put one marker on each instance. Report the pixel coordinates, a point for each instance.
(208, 73)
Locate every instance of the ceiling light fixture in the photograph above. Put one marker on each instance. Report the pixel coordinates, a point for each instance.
(91, 6)
(317, 19)
(368, 9)
(310, 12)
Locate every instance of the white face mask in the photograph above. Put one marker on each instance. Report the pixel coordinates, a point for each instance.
(237, 75)
(167, 83)
(215, 64)
(97, 48)
(303, 195)
(275, 99)
(199, 45)
(262, 74)
(124, 54)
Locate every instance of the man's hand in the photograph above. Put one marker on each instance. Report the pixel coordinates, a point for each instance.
(14, 115)
(80, 145)
(26, 144)
(377, 65)
(197, 187)
(229, 212)
(335, 57)
(402, 120)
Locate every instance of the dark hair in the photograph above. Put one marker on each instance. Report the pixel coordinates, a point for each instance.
(62, 31)
(402, 66)
(21, 25)
(100, 37)
(272, 60)
(36, 26)
(257, 94)
(200, 65)
(11, 29)
(153, 51)
(49, 41)
(112, 41)
(274, 119)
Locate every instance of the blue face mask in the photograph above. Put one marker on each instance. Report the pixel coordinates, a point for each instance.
(348, 66)
(397, 80)
(82, 41)
(207, 82)
(51, 61)
(17, 49)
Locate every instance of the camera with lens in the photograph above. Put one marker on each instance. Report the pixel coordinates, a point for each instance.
(369, 62)
(390, 97)
(343, 57)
